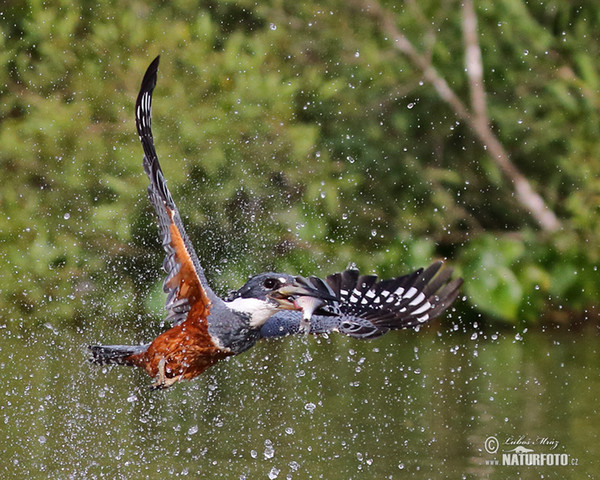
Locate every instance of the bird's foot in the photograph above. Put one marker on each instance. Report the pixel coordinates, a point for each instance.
(162, 381)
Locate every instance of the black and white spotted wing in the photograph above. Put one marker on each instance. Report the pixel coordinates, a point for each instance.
(368, 307)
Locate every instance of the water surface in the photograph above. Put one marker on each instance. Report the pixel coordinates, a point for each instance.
(419, 404)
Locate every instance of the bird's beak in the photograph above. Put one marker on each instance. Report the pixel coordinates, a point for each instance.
(289, 297)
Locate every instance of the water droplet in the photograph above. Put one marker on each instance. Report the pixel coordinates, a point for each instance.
(274, 473)
(66, 216)
(272, 26)
(193, 430)
(310, 407)
(269, 450)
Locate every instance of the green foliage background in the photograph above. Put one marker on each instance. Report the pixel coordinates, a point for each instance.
(294, 137)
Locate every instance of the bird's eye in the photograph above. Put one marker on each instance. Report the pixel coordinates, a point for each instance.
(271, 283)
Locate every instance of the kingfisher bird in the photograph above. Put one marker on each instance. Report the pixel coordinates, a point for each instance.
(206, 328)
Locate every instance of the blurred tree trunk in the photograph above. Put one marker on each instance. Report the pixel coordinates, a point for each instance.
(478, 119)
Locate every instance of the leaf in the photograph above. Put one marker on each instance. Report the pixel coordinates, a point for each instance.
(493, 284)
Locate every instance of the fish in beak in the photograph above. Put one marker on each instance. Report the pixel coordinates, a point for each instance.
(302, 295)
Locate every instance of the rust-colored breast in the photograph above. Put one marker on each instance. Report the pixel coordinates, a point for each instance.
(185, 350)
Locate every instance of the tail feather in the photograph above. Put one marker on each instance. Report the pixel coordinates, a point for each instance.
(114, 354)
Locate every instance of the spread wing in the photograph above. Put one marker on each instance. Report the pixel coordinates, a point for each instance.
(188, 293)
(368, 308)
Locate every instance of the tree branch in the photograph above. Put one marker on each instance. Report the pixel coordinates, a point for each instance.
(478, 121)
(473, 62)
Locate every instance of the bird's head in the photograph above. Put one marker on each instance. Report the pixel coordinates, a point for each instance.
(263, 295)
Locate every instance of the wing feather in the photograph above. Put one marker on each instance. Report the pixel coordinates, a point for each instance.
(368, 308)
(185, 285)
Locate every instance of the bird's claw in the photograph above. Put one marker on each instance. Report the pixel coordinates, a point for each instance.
(162, 381)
